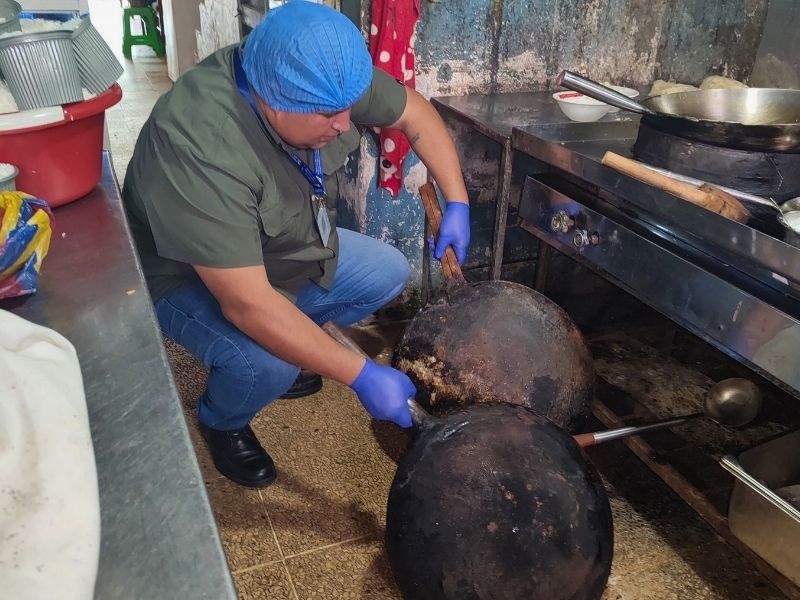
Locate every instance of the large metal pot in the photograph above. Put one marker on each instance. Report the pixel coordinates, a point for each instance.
(767, 120)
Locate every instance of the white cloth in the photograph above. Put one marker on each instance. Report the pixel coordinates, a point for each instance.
(49, 505)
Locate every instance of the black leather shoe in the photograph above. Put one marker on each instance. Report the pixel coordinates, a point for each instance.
(307, 383)
(239, 456)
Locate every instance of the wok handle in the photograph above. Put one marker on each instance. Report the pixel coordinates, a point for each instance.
(418, 414)
(711, 199)
(738, 194)
(578, 83)
(450, 267)
(598, 437)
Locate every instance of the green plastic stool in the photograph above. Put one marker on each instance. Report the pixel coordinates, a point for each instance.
(151, 36)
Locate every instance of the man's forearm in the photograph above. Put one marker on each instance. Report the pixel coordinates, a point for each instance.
(431, 141)
(285, 331)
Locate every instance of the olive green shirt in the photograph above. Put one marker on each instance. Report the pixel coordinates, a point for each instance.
(208, 186)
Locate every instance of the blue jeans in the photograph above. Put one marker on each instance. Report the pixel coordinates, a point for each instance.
(244, 377)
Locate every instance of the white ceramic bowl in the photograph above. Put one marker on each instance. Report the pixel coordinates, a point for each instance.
(578, 107)
(629, 92)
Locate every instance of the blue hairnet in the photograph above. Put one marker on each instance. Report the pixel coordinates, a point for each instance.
(305, 57)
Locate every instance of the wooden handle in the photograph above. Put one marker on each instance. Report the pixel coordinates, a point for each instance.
(450, 267)
(706, 197)
(584, 439)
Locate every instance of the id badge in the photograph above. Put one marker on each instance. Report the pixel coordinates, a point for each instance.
(323, 223)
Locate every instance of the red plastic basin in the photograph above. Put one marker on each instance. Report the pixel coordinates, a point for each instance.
(61, 162)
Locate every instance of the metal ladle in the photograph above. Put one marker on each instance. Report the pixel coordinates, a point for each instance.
(731, 402)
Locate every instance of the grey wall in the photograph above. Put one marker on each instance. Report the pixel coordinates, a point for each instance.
(778, 57)
(483, 46)
(510, 45)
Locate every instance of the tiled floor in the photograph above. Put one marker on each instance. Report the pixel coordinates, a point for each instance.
(317, 532)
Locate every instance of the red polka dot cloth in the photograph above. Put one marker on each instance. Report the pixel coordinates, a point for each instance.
(391, 43)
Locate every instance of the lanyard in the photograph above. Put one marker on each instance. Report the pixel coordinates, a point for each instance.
(315, 177)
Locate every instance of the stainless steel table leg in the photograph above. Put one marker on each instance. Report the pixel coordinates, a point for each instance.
(501, 212)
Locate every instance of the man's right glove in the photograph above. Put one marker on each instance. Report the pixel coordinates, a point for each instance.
(384, 393)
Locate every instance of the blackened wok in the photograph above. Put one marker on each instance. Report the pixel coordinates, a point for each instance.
(495, 339)
(495, 502)
(762, 119)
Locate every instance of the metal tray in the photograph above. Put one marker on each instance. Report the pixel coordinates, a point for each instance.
(766, 523)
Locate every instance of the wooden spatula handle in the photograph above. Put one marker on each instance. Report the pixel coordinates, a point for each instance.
(668, 184)
(718, 201)
(450, 266)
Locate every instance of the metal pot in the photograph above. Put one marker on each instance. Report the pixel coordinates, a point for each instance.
(767, 120)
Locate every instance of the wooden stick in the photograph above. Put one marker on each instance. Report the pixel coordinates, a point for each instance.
(450, 267)
(434, 214)
(709, 198)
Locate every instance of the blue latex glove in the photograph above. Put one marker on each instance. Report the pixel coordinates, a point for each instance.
(454, 231)
(384, 392)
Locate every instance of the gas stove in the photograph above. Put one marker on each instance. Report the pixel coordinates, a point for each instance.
(733, 285)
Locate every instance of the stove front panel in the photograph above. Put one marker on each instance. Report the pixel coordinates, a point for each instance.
(575, 151)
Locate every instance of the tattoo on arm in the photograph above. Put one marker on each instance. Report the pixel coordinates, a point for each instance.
(414, 138)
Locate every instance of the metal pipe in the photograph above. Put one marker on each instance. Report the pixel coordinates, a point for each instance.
(598, 437)
(576, 82)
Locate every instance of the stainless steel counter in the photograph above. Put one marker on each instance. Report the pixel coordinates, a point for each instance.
(495, 116)
(159, 538)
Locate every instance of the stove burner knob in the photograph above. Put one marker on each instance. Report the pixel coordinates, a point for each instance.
(583, 238)
(561, 222)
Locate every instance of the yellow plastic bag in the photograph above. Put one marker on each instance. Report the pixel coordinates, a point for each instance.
(25, 231)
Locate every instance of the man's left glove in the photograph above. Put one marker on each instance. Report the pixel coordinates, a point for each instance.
(454, 231)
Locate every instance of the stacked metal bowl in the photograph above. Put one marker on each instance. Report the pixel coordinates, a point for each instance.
(50, 68)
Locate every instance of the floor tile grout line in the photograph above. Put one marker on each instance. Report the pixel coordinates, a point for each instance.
(291, 581)
(329, 546)
(278, 544)
(271, 526)
(267, 564)
(256, 567)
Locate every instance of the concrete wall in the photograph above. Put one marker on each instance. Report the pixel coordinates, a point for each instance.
(484, 46)
(503, 45)
(219, 26)
(181, 24)
(778, 57)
